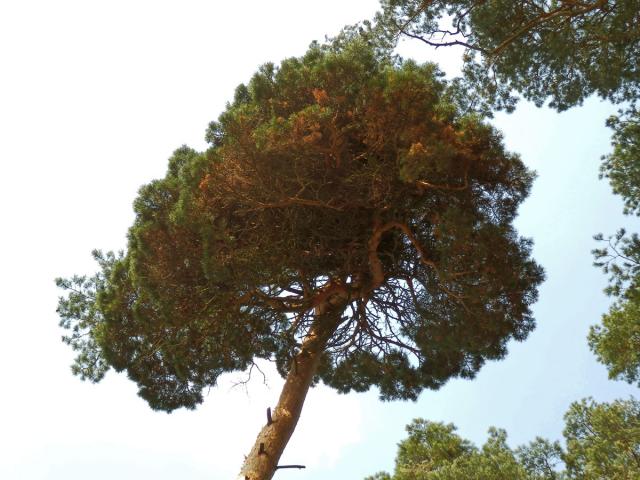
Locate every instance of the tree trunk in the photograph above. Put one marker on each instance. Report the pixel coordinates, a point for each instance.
(263, 459)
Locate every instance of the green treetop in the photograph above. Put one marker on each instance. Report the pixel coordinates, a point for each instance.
(602, 442)
(347, 222)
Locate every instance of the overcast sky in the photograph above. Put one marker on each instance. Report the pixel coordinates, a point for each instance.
(94, 97)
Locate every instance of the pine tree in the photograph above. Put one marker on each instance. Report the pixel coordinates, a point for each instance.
(347, 222)
(617, 341)
(602, 440)
(560, 51)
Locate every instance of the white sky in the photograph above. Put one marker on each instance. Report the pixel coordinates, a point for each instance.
(94, 97)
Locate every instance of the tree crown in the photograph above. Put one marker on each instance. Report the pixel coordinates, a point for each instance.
(343, 183)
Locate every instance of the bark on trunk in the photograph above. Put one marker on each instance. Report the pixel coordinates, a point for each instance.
(263, 459)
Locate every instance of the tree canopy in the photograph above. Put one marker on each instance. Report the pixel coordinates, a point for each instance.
(617, 341)
(602, 441)
(345, 208)
(561, 51)
(336, 171)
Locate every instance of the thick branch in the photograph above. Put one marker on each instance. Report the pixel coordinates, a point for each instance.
(293, 201)
(375, 265)
(443, 44)
(453, 188)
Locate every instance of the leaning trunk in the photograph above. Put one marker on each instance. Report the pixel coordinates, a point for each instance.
(262, 461)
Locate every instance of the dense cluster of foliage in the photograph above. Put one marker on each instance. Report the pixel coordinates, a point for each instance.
(338, 175)
(602, 441)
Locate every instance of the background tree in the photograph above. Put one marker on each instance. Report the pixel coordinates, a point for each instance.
(602, 441)
(562, 51)
(348, 223)
(428, 446)
(433, 451)
(617, 341)
(541, 459)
